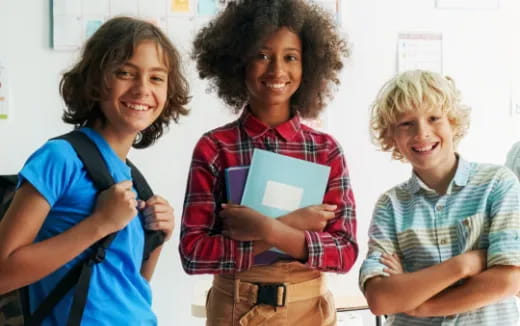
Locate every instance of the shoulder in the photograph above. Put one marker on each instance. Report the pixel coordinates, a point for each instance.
(322, 139)
(52, 168)
(513, 157)
(210, 143)
(486, 173)
(55, 152)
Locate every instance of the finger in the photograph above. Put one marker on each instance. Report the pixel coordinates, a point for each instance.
(159, 225)
(389, 271)
(227, 205)
(159, 218)
(330, 207)
(141, 204)
(157, 209)
(155, 199)
(127, 184)
(388, 262)
(328, 215)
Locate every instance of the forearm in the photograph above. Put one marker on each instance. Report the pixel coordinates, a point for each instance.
(411, 288)
(148, 266)
(481, 290)
(204, 254)
(34, 261)
(286, 238)
(260, 246)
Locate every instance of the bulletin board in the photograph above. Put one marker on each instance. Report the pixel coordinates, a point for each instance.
(73, 21)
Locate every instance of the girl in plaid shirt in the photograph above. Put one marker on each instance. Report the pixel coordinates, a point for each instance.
(275, 62)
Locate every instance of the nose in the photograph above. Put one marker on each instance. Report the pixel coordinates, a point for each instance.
(141, 86)
(423, 130)
(276, 67)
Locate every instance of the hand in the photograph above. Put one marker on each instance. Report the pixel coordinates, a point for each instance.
(158, 215)
(310, 218)
(116, 206)
(473, 262)
(392, 263)
(242, 223)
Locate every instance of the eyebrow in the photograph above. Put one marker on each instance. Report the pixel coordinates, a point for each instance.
(285, 49)
(154, 69)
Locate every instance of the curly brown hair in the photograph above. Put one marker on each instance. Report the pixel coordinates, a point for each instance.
(86, 84)
(223, 48)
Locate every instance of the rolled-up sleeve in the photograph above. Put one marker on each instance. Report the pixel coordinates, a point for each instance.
(504, 230)
(382, 239)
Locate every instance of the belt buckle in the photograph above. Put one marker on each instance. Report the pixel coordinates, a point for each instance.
(268, 294)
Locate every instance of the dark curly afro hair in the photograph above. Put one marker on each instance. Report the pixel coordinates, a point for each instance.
(223, 48)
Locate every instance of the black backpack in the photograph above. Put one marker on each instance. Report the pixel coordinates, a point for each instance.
(14, 306)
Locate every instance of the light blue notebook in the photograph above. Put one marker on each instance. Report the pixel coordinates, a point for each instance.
(278, 184)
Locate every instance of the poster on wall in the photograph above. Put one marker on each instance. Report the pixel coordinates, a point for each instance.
(467, 4)
(419, 51)
(4, 93)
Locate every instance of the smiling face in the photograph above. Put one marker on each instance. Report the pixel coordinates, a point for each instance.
(274, 72)
(425, 139)
(137, 92)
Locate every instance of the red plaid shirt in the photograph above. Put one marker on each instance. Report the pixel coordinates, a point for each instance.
(203, 249)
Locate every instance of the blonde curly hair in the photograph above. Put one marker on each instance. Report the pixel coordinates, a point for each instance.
(410, 91)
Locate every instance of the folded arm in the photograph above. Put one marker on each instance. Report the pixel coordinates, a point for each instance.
(413, 290)
(481, 290)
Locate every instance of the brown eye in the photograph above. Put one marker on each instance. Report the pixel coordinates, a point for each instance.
(123, 74)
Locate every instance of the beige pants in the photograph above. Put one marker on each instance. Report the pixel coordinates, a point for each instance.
(231, 300)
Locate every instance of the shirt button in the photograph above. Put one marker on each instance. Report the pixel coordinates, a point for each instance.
(444, 241)
(439, 208)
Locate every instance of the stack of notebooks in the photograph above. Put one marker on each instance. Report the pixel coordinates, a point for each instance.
(275, 185)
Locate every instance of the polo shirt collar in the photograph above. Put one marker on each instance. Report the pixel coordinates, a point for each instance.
(256, 128)
(460, 179)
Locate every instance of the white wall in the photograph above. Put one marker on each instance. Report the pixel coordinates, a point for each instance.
(480, 51)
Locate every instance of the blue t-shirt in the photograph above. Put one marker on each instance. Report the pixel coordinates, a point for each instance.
(118, 294)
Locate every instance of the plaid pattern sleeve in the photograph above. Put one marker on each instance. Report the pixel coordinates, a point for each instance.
(335, 249)
(202, 247)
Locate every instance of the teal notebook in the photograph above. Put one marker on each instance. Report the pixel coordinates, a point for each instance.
(278, 184)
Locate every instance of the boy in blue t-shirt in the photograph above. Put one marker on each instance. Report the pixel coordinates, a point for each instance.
(444, 246)
(126, 88)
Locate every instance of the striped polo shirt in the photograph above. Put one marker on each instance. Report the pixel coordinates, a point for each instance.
(480, 210)
(513, 159)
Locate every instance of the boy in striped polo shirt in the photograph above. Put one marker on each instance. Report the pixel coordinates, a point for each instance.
(444, 246)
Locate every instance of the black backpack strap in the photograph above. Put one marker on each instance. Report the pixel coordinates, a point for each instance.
(153, 239)
(79, 275)
(91, 157)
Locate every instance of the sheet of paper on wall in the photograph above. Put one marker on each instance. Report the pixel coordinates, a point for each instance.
(96, 7)
(182, 7)
(67, 32)
(515, 96)
(4, 94)
(333, 7)
(419, 51)
(124, 8)
(207, 7)
(153, 8)
(467, 4)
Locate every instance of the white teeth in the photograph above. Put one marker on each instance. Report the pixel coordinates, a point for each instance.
(137, 107)
(275, 85)
(424, 149)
